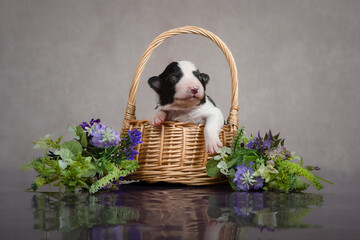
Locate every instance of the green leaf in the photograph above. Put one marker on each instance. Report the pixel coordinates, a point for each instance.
(73, 131)
(82, 134)
(227, 150)
(123, 169)
(63, 164)
(223, 168)
(277, 136)
(211, 168)
(59, 140)
(232, 184)
(248, 159)
(73, 146)
(65, 154)
(231, 162)
(83, 140)
(324, 180)
(231, 177)
(217, 157)
(222, 164)
(89, 173)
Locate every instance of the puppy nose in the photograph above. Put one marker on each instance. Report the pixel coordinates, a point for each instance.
(194, 89)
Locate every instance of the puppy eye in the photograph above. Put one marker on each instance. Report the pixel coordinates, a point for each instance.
(173, 79)
(196, 74)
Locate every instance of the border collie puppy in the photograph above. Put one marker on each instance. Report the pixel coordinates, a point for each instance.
(181, 91)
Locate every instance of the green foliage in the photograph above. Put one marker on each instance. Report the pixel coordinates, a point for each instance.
(73, 146)
(79, 134)
(38, 182)
(219, 163)
(264, 157)
(77, 174)
(47, 143)
(211, 168)
(76, 164)
(290, 168)
(231, 177)
(123, 169)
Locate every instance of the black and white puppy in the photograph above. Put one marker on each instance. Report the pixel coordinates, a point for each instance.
(181, 91)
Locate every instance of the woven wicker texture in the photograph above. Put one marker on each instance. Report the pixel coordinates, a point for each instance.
(175, 151)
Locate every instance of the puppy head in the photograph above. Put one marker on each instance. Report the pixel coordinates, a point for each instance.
(181, 85)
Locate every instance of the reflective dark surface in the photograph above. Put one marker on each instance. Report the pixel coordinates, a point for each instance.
(161, 211)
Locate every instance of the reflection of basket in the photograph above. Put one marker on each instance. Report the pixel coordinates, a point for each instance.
(176, 212)
(175, 151)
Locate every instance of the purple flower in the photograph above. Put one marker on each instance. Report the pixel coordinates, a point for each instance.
(259, 183)
(130, 153)
(85, 125)
(88, 127)
(134, 137)
(312, 168)
(256, 143)
(251, 145)
(244, 179)
(267, 143)
(104, 137)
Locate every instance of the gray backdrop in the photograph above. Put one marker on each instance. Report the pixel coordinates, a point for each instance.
(64, 62)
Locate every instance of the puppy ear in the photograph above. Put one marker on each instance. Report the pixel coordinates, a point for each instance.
(204, 78)
(154, 83)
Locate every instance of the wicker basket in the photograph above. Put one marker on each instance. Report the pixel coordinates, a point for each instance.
(175, 151)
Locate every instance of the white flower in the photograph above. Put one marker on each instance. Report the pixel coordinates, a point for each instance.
(265, 172)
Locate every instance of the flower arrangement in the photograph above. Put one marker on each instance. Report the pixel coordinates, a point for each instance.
(262, 163)
(95, 159)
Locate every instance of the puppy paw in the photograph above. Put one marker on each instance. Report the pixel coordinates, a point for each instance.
(212, 145)
(158, 118)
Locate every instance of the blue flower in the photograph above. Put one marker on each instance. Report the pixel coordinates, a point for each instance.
(244, 179)
(84, 125)
(267, 143)
(104, 137)
(134, 137)
(88, 127)
(130, 153)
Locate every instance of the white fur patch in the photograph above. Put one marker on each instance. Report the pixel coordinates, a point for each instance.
(187, 67)
(186, 83)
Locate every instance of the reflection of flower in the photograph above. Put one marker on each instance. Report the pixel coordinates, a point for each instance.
(267, 218)
(245, 204)
(71, 213)
(245, 180)
(269, 210)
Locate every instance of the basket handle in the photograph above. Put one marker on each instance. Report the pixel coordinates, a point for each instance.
(233, 115)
